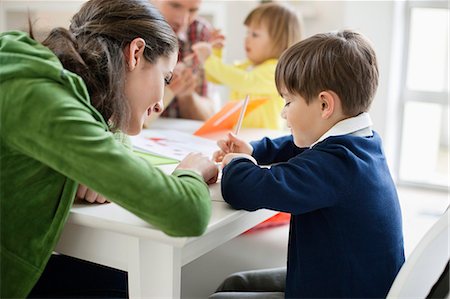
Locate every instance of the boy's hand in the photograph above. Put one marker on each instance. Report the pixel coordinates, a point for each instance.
(89, 195)
(228, 157)
(201, 165)
(202, 51)
(232, 145)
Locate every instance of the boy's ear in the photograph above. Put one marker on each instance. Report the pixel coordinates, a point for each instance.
(134, 53)
(328, 101)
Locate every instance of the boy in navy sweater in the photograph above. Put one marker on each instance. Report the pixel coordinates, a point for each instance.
(331, 174)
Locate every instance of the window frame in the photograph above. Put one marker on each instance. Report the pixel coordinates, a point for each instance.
(407, 95)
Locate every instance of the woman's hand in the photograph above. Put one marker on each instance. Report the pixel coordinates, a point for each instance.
(202, 165)
(89, 195)
(232, 145)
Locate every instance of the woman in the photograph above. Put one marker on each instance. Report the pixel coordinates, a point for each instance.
(60, 104)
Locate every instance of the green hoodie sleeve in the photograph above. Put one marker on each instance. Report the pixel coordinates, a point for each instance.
(66, 137)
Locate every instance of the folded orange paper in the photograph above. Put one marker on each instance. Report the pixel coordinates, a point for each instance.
(228, 116)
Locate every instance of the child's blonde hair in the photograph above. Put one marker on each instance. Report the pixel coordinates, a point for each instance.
(282, 24)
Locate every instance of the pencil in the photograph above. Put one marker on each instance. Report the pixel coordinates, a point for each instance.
(241, 118)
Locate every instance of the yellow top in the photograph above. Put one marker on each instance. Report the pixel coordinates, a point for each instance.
(257, 81)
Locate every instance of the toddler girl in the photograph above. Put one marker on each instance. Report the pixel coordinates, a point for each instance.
(271, 29)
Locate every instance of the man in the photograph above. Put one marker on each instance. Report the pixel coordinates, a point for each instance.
(186, 95)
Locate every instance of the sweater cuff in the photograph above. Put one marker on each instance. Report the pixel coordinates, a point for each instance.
(258, 151)
(240, 159)
(190, 173)
(211, 61)
(217, 52)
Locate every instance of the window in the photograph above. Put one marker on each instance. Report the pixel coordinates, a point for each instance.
(424, 139)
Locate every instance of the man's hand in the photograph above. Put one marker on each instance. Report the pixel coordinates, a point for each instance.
(184, 81)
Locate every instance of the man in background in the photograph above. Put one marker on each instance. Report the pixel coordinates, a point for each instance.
(186, 95)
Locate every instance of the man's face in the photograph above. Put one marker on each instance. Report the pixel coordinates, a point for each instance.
(178, 13)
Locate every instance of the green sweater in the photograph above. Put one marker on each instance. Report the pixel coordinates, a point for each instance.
(51, 139)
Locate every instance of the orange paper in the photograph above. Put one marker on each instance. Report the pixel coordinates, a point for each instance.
(228, 116)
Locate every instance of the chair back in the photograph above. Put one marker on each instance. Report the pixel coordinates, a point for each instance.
(426, 263)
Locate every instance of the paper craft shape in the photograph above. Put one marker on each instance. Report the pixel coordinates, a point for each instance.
(172, 144)
(227, 117)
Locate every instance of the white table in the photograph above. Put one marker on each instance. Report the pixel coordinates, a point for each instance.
(110, 235)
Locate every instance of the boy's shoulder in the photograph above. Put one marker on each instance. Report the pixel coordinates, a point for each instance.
(350, 140)
(359, 158)
(349, 146)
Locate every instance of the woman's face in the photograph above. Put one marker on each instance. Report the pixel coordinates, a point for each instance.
(144, 89)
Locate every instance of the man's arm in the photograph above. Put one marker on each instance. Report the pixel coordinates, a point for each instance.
(194, 106)
(190, 104)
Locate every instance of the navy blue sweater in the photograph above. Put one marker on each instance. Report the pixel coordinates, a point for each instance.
(345, 237)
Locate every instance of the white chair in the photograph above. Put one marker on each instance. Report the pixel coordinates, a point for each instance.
(425, 264)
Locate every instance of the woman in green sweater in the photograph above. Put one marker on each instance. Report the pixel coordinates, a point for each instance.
(60, 104)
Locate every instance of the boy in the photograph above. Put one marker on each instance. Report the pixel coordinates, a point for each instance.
(330, 174)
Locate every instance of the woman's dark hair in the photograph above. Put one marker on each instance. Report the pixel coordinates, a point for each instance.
(93, 48)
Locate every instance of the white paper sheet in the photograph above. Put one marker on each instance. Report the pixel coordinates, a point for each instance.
(172, 144)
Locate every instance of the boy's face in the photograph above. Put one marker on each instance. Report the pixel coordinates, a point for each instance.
(305, 121)
(258, 45)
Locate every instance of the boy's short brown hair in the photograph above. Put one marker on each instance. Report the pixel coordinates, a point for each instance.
(343, 62)
(282, 23)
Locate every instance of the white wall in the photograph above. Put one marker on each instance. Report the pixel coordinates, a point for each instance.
(375, 19)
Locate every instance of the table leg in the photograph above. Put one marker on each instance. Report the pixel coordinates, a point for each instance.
(154, 271)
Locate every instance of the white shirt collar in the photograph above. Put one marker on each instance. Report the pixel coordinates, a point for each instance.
(360, 125)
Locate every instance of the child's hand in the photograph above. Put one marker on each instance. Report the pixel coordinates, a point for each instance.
(89, 195)
(201, 165)
(232, 145)
(217, 39)
(228, 157)
(202, 51)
